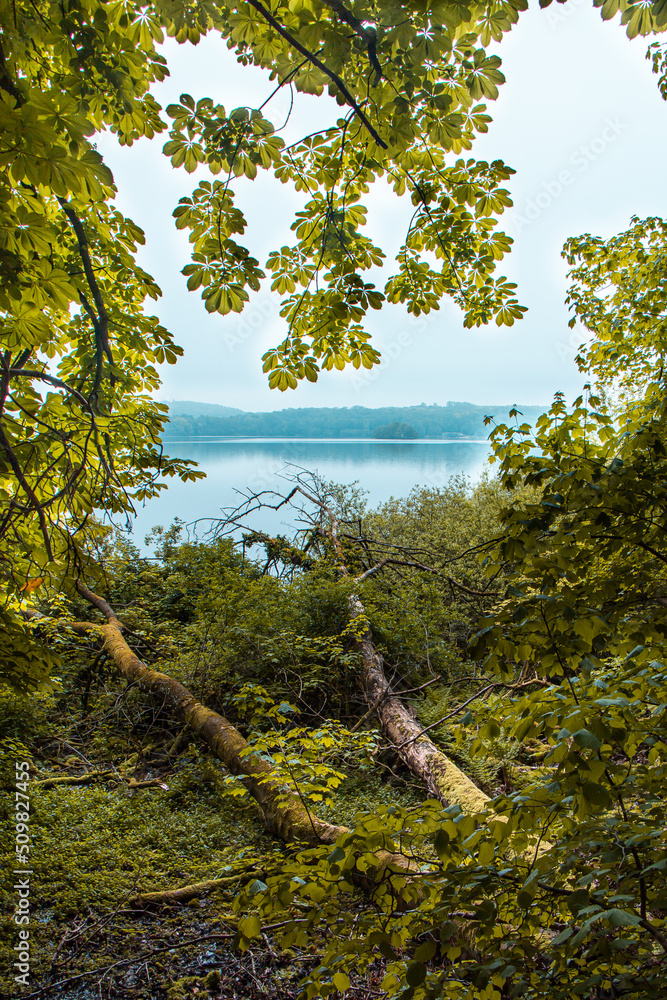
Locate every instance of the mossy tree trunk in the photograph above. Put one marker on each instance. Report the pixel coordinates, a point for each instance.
(442, 779)
(285, 814)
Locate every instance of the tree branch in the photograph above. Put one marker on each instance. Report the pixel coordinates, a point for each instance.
(478, 694)
(101, 320)
(27, 373)
(270, 19)
(99, 603)
(27, 489)
(367, 36)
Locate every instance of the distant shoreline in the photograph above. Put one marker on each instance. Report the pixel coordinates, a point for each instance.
(325, 440)
(452, 422)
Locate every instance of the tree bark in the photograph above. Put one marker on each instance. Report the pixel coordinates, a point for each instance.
(285, 815)
(186, 893)
(440, 776)
(442, 779)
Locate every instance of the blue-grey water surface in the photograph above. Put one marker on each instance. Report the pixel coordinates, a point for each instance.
(382, 468)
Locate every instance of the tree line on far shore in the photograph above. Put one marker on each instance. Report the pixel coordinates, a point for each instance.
(456, 420)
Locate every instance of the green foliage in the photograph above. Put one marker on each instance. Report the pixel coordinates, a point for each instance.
(301, 757)
(580, 761)
(25, 663)
(396, 430)
(579, 561)
(557, 890)
(439, 530)
(639, 18)
(490, 760)
(453, 420)
(589, 569)
(657, 53)
(584, 565)
(79, 429)
(427, 73)
(617, 293)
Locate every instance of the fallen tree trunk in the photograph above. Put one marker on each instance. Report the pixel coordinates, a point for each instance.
(440, 776)
(442, 779)
(74, 779)
(285, 814)
(186, 893)
(90, 776)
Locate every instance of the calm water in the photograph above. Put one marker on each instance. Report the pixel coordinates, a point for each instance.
(382, 468)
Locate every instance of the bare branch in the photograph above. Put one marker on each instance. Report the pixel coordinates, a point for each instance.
(372, 571)
(474, 697)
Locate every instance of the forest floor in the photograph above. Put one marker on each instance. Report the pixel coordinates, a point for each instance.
(94, 846)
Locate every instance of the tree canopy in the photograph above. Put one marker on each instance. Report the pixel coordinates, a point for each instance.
(79, 429)
(453, 420)
(533, 610)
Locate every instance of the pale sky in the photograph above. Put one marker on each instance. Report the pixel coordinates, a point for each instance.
(581, 121)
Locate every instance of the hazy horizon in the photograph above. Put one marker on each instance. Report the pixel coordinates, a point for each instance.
(350, 406)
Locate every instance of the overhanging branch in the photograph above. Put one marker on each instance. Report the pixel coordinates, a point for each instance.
(367, 35)
(311, 57)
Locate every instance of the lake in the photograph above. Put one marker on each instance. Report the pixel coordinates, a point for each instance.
(382, 468)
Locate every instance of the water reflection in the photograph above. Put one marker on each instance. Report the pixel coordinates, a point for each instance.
(382, 468)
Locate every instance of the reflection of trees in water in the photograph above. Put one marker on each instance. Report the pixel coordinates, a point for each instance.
(463, 456)
(381, 468)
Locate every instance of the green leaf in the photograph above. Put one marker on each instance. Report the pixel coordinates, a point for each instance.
(250, 926)
(486, 853)
(596, 794)
(584, 738)
(425, 952)
(415, 974)
(564, 936)
(341, 981)
(621, 918)
(441, 842)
